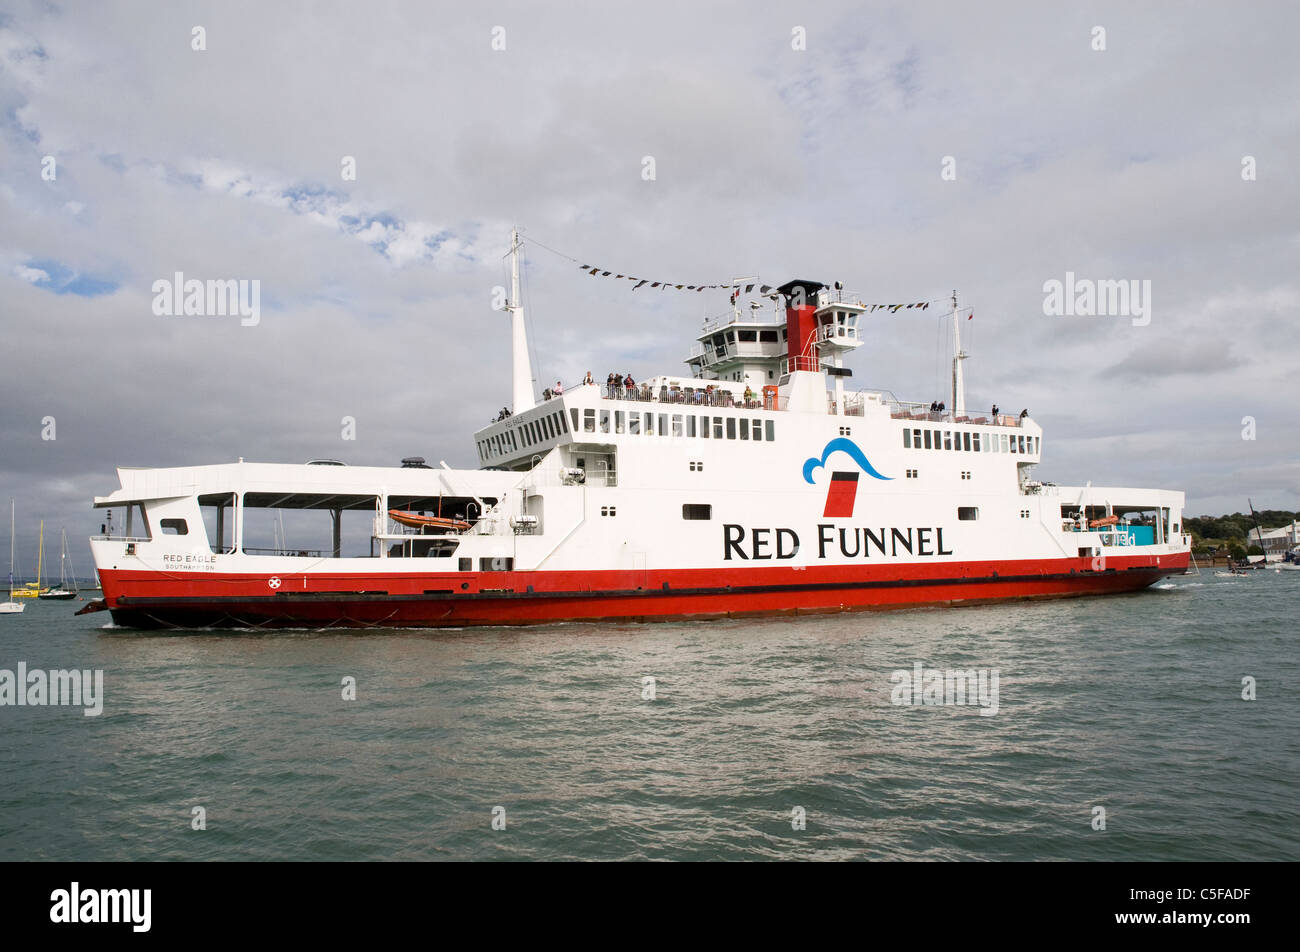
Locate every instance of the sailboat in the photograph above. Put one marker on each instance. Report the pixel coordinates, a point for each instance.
(11, 607)
(61, 592)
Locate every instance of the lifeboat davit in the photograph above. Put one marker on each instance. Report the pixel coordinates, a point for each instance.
(418, 521)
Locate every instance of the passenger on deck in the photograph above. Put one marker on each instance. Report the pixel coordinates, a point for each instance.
(559, 388)
(1024, 413)
(630, 384)
(749, 396)
(995, 413)
(587, 381)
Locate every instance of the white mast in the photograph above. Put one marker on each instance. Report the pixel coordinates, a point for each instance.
(521, 370)
(958, 355)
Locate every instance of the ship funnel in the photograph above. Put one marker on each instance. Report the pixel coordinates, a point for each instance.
(801, 324)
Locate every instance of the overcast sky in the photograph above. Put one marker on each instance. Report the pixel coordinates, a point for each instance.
(826, 162)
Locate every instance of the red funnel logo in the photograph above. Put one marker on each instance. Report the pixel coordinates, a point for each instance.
(841, 494)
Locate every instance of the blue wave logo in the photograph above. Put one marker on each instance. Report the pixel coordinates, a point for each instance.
(840, 445)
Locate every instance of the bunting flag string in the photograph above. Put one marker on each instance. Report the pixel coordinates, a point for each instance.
(664, 285)
(894, 308)
(736, 289)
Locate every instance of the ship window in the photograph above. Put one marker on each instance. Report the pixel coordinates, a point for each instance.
(731, 428)
(589, 421)
(907, 439)
(634, 424)
(663, 424)
(620, 421)
(767, 336)
(947, 440)
(697, 511)
(744, 428)
(731, 337)
(649, 428)
(574, 412)
(717, 427)
(1002, 443)
(501, 564)
(965, 440)
(704, 427)
(1022, 444)
(975, 441)
(757, 429)
(561, 426)
(749, 336)
(677, 424)
(968, 513)
(1013, 443)
(911, 474)
(609, 510)
(465, 565)
(604, 421)
(690, 425)
(770, 429)
(916, 439)
(927, 439)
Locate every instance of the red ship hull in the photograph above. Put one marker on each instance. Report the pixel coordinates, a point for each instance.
(452, 600)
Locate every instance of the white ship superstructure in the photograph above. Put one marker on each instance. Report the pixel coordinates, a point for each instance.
(759, 483)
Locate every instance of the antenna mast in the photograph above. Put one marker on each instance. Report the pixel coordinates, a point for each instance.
(958, 355)
(521, 369)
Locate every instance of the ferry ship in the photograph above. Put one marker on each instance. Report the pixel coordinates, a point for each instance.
(757, 483)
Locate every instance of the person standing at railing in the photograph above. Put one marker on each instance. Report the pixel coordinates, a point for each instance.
(559, 389)
(630, 384)
(587, 381)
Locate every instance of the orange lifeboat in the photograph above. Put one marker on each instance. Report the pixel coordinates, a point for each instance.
(417, 521)
(1107, 521)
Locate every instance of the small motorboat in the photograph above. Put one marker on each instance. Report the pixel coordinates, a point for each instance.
(420, 521)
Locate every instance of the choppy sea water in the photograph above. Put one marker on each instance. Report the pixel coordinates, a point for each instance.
(1130, 703)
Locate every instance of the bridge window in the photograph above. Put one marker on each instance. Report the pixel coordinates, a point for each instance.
(968, 513)
(749, 336)
(975, 441)
(589, 421)
(757, 429)
(634, 424)
(717, 427)
(690, 425)
(927, 439)
(604, 421)
(769, 428)
(731, 428)
(574, 412)
(767, 336)
(663, 424)
(677, 424)
(704, 427)
(697, 511)
(620, 421)
(965, 439)
(947, 440)
(907, 438)
(744, 428)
